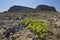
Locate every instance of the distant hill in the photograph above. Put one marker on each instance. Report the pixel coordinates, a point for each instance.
(16, 8)
(45, 8)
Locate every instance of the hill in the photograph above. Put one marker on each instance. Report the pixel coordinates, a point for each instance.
(16, 8)
(45, 8)
(11, 27)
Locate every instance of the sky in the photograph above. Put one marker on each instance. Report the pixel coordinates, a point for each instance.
(6, 4)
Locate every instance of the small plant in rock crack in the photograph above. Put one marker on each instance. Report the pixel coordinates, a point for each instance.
(37, 26)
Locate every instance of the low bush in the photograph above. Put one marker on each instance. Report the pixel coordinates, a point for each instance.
(38, 26)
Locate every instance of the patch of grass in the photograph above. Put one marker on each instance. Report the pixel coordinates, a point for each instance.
(38, 26)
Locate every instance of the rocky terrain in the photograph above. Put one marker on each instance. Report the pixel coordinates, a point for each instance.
(12, 29)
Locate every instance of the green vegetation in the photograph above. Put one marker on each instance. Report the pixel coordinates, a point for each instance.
(37, 26)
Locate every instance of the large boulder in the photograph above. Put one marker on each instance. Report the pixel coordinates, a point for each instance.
(45, 8)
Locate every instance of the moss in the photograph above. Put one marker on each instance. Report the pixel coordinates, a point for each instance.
(38, 26)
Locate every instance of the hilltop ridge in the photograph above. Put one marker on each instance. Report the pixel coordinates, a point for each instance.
(17, 8)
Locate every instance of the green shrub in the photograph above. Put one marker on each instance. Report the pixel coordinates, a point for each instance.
(38, 26)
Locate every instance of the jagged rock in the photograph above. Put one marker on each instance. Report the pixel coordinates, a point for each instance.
(45, 8)
(57, 24)
(58, 35)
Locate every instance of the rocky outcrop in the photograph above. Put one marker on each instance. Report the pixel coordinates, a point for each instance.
(45, 8)
(16, 8)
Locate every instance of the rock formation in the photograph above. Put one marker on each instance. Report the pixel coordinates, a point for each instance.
(16, 8)
(45, 8)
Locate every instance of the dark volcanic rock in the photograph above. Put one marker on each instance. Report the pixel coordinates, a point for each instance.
(16, 8)
(45, 8)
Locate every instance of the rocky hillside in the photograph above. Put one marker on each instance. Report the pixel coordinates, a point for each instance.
(11, 27)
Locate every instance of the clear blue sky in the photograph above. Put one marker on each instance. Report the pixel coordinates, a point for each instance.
(6, 4)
